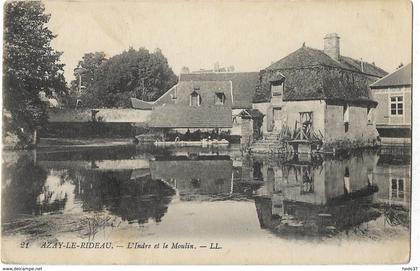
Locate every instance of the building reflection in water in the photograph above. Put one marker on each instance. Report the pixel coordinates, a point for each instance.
(326, 196)
(299, 196)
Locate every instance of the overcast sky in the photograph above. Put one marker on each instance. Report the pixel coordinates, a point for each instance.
(247, 34)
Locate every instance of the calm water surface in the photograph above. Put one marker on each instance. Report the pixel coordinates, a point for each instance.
(139, 193)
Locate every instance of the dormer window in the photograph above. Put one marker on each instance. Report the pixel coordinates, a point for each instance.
(277, 88)
(220, 98)
(195, 99)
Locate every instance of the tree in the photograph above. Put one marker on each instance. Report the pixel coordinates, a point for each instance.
(31, 65)
(133, 73)
(90, 64)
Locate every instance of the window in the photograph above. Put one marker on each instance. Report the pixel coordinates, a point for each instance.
(306, 125)
(307, 181)
(195, 99)
(369, 116)
(195, 183)
(397, 105)
(397, 188)
(220, 98)
(277, 89)
(346, 113)
(346, 117)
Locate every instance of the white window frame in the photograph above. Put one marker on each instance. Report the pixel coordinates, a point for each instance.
(278, 89)
(397, 190)
(198, 97)
(398, 100)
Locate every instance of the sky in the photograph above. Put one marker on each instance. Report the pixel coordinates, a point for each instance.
(249, 35)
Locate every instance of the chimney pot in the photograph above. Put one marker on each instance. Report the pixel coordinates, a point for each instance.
(332, 46)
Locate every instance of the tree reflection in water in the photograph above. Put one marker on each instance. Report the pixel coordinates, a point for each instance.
(22, 183)
(294, 198)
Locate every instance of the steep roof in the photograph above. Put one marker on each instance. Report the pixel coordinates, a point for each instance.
(308, 57)
(310, 74)
(368, 68)
(401, 77)
(176, 116)
(173, 109)
(243, 84)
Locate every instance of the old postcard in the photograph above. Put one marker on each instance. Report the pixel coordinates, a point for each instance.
(206, 132)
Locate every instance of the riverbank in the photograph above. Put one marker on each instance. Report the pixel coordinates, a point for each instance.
(87, 142)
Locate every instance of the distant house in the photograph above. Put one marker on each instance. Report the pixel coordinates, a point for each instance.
(204, 100)
(319, 93)
(393, 114)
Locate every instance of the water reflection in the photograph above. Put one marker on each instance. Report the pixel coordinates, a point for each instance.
(88, 191)
(325, 198)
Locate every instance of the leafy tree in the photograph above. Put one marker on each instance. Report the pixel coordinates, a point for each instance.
(89, 64)
(133, 73)
(31, 65)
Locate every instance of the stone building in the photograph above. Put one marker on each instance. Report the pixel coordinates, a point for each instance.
(206, 100)
(319, 95)
(393, 113)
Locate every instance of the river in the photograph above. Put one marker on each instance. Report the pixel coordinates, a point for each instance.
(136, 196)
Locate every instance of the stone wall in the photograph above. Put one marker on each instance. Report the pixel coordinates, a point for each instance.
(360, 131)
(293, 108)
(103, 115)
(263, 108)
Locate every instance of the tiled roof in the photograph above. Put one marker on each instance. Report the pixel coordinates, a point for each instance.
(308, 57)
(206, 89)
(183, 116)
(401, 77)
(243, 84)
(310, 74)
(173, 110)
(180, 94)
(140, 104)
(368, 68)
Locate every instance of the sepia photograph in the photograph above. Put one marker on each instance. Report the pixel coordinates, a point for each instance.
(207, 132)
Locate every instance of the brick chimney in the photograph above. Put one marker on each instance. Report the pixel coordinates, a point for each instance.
(332, 46)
